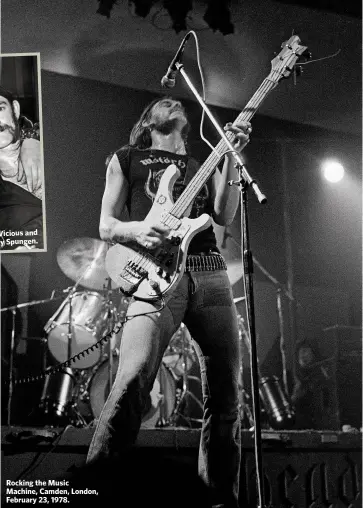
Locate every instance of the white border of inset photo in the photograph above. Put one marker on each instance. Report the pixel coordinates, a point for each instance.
(29, 176)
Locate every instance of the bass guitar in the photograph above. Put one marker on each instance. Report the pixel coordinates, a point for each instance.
(151, 275)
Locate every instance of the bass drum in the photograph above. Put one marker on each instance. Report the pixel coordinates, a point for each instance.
(99, 389)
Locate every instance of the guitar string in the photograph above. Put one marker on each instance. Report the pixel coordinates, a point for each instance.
(201, 177)
(198, 181)
(210, 163)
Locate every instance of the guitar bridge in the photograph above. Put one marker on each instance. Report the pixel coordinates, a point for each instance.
(132, 276)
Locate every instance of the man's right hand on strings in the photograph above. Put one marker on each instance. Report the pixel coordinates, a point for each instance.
(151, 235)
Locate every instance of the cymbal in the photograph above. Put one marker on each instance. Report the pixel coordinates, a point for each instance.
(83, 261)
(234, 270)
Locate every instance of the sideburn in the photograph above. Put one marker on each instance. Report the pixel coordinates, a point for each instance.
(15, 131)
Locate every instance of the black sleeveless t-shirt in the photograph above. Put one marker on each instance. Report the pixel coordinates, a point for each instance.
(143, 170)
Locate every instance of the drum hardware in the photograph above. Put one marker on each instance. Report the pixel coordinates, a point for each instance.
(244, 407)
(162, 420)
(85, 316)
(84, 260)
(180, 355)
(56, 398)
(111, 319)
(91, 319)
(185, 393)
(279, 411)
(61, 396)
(98, 387)
(13, 309)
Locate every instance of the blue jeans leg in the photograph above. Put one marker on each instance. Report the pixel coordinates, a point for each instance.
(212, 321)
(144, 340)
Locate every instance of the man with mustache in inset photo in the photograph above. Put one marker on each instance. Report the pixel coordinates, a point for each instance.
(20, 178)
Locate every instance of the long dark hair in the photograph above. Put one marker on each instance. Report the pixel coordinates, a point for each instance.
(140, 136)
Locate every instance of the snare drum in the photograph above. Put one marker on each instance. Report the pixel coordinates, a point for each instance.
(180, 355)
(89, 323)
(98, 393)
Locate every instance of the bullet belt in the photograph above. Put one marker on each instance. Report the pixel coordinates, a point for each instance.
(205, 262)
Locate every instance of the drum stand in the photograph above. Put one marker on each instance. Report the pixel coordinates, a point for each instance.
(185, 389)
(162, 420)
(13, 310)
(111, 318)
(78, 420)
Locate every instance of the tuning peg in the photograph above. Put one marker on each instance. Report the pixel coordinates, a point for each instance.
(298, 70)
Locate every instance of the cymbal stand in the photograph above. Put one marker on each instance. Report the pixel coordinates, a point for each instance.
(69, 333)
(71, 292)
(13, 309)
(280, 289)
(111, 318)
(161, 421)
(185, 387)
(11, 369)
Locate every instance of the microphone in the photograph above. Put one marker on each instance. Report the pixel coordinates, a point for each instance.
(168, 81)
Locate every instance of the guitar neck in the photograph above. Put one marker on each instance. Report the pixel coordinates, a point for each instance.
(207, 169)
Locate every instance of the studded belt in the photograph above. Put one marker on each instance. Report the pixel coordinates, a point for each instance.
(205, 262)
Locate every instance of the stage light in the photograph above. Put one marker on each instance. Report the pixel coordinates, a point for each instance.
(333, 171)
(218, 16)
(142, 7)
(178, 12)
(105, 7)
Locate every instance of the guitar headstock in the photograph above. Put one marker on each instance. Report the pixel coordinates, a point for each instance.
(283, 64)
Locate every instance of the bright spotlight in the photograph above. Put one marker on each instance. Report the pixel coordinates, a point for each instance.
(333, 171)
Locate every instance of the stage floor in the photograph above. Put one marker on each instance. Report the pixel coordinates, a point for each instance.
(303, 469)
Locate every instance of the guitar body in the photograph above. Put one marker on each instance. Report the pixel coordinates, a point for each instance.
(148, 275)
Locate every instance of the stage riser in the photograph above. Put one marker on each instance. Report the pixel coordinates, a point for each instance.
(302, 469)
(299, 480)
(305, 480)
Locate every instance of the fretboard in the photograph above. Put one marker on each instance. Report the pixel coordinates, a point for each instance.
(206, 170)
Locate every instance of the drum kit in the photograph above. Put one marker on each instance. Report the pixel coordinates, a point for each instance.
(76, 393)
(93, 308)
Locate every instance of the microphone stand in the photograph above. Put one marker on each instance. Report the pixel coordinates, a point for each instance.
(245, 182)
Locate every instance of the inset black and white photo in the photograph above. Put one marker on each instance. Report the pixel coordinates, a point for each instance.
(22, 202)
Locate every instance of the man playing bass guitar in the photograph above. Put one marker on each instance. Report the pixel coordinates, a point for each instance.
(202, 299)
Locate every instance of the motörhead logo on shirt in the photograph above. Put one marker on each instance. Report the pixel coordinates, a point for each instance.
(163, 160)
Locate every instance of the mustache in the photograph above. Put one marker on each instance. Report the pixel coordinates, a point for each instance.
(5, 126)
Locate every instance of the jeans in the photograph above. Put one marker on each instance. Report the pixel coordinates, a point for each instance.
(203, 301)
